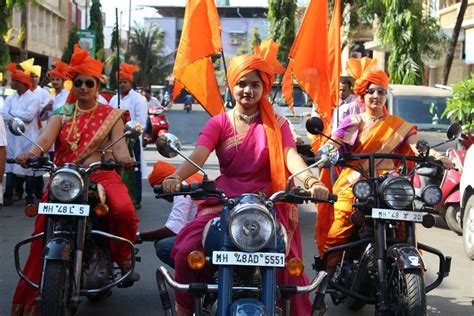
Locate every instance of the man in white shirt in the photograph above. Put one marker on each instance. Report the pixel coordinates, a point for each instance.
(151, 100)
(25, 105)
(348, 104)
(136, 105)
(3, 155)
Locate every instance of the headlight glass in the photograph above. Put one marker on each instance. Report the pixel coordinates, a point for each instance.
(432, 195)
(397, 192)
(66, 185)
(362, 190)
(250, 226)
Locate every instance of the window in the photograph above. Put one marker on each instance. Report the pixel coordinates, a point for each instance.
(421, 109)
(237, 37)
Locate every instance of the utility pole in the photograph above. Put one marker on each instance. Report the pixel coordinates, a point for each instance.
(129, 23)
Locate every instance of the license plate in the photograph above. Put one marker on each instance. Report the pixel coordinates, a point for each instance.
(397, 215)
(294, 119)
(64, 209)
(236, 258)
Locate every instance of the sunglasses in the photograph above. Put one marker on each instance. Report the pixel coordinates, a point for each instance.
(380, 91)
(89, 83)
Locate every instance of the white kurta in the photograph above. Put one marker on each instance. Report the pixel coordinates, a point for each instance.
(136, 104)
(26, 108)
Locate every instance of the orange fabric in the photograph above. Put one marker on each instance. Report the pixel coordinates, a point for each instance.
(59, 70)
(162, 169)
(19, 75)
(82, 63)
(364, 72)
(127, 71)
(334, 52)
(263, 60)
(385, 136)
(193, 69)
(308, 63)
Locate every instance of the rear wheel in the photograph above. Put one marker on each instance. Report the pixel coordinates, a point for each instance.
(407, 291)
(56, 289)
(453, 218)
(468, 228)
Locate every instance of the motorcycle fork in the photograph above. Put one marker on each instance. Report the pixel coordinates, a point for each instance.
(49, 232)
(382, 305)
(77, 260)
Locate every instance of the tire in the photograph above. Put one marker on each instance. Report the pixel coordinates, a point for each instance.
(56, 289)
(407, 291)
(468, 228)
(453, 218)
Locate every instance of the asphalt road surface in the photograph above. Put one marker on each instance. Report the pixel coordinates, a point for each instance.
(453, 297)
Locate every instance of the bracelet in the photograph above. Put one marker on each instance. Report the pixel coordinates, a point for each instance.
(306, 181)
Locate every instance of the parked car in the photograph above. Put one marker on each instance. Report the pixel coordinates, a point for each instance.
(467, 203)
(422, 106)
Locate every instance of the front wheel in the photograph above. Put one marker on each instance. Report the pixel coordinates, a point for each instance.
(407, 291)
(453, 218)
(56, 289)
(468, 228)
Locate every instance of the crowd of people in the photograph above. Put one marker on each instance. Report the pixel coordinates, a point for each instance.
(74, 125)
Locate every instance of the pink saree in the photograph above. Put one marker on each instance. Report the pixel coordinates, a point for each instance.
(238, 176)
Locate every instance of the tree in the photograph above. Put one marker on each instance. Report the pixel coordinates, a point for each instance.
(113, 59)
(460, 108)
(281, 16)
(253, 40)
(6, 12)
(73, 38)
(454, 40)
(96, 25)
(146, 51)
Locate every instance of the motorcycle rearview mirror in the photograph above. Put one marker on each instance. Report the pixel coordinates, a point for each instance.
(17, 127)
(454, 131)
(169, 146)
(315, 126)
(132, 131)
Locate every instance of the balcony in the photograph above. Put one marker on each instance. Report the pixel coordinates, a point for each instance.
(449, 11)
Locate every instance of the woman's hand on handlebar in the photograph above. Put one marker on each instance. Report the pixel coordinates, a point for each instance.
(23, 158)
(126, 161)
(447, 163)
(318, 190)
(172, 183)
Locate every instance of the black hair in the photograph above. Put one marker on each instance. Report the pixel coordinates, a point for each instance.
(346, 82)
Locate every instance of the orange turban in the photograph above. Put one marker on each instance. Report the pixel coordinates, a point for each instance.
(162, 169)
(264, 61)
(59, 70)
(82, 63)
(362, 70)
(19, 75)
(127, 71)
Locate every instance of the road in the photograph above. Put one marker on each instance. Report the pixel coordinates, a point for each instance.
(453, 297)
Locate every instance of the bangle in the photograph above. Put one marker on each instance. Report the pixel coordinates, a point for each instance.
(307, 181)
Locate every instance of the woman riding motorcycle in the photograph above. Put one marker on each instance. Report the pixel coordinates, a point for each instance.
(80, 129)
(256, 152)
(368, 132)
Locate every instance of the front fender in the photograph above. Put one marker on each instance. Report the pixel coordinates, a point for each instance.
(58, 248)
(406, 257)
(247, 307)
(454, 197)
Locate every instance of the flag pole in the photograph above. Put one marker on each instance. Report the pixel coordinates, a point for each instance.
(226, 83)
(118, 56)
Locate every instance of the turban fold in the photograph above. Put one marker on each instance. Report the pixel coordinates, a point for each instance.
(19, 75)
(264, 61)
(127, 71)
(162, 169)
(59, 70)
(82, 63)
(364, 72)
(29, 68)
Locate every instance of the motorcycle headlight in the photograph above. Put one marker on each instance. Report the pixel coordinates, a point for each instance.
(432, 195)
(66, 185)
(250, 226)
(362, 190)
(397, 192)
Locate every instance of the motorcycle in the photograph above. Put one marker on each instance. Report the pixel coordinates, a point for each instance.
(188, 106)
(76, 257)
(158, 125)
(246, 245)
(382, 264)
(449, 207)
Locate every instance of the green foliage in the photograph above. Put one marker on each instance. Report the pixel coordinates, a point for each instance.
(6, 11)
(281, 16)
(460, 107)
(146, 51)
(113, 41)
(253, 40)
(73, 38)
(113, 85)
(96, 25)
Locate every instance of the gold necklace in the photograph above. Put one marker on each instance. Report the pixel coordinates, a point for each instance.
(73, 144)
(92, 109)
(373, 118)
(247, 118)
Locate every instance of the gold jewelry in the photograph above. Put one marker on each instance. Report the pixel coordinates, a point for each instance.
(73, 143)
(307, 179)
(373, 118)
(247, 118)
(92, 109)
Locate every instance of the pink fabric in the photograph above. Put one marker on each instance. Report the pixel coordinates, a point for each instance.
(237, 176)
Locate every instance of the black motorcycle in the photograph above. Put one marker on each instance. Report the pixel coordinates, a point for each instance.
(382, 263)
(76, 256)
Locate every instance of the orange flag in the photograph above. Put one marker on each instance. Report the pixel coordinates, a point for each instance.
(334, 52)
(193, 69)
(308, 61)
